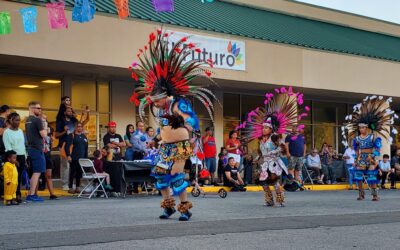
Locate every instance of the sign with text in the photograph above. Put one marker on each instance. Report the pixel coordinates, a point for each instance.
(225, 54)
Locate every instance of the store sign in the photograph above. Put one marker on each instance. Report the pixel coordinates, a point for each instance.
(226, 54)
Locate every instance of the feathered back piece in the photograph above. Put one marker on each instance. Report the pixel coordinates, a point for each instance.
(373, 112)
(280, 112)
(163, 71)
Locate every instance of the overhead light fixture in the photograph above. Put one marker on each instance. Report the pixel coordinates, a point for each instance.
(28, 86)
(51, 81)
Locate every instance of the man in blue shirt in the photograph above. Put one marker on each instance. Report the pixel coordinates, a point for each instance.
(296, 150)
(139, 141)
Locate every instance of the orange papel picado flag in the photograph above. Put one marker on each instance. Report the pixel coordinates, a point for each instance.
(122, 8)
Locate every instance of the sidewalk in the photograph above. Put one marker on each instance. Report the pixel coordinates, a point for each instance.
(317, 187)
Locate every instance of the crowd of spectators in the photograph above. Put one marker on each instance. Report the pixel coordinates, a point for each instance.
(232, 166)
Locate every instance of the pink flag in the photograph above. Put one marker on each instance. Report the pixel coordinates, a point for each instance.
(56, 14)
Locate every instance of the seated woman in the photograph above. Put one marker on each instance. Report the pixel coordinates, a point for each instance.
(314, 163)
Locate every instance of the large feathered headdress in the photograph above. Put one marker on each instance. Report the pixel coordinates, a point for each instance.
(280, 113)
(163, 71)
(375, 113)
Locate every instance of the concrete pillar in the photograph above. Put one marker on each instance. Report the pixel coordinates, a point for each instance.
(219, 120)
(66, 86)
(385, 144)
(152, 121)
(122, 111)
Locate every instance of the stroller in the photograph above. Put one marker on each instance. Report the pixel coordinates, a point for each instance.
(199, 160)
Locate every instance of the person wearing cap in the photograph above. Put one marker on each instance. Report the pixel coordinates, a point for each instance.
(4, 112)
(114, 141)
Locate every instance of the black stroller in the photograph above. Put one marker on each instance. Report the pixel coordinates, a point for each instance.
(197, 190)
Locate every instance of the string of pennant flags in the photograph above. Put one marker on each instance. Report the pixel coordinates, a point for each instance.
(83, 11)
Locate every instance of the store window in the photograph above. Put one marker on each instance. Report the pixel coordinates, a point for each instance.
(104, 105)
(83, 95)
(103, 90)
(203, 115)
(94, 95)
(231, 107)
(341, 113)
(18, 90)
(21, 89)
(308, 136)
(249, 103)
(306, 119)
(324, 134)
(326, 122)
(145, 117)
(232, 113)
(324, 113)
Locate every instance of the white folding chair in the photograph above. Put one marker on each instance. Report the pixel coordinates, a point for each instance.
(307, 173)
(90, 175)
(147, 187)
(365, 182)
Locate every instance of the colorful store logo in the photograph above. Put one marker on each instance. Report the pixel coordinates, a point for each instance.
(224, 53)
(235, 51)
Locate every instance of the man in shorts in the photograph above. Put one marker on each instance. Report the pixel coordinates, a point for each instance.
(296, 151)
(36, 132)
(210, 152)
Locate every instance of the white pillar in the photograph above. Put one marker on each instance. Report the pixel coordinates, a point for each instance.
(385, 144)
(152, 121)
(122, 111)
(219, 120)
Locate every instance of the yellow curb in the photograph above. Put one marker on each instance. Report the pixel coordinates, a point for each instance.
(316, 187)
(45, 193)
(215, 189)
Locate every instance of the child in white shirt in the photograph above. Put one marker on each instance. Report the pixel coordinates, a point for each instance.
(384, 170)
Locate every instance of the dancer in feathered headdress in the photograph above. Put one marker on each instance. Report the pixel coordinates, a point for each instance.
(164, 76)
(268, 124)
(369, 123)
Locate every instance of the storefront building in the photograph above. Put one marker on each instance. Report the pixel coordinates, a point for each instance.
(334, 58)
